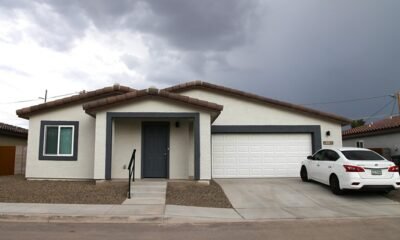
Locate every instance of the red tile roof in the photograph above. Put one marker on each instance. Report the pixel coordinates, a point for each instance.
(81, 97)
(200, 84)
(94, 106)
(10, 130)
(378, 127)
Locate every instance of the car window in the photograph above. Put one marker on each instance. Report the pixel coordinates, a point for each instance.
(330, 155)
(361, 155)
(319, 155)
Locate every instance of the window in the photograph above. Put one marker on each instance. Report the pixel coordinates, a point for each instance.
(360, 144)
(331, 155)
(361, 155)
(319, 155)
(58, 140)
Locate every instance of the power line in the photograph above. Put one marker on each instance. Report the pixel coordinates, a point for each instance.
(347, 100)
(31, 100)
(379, 110)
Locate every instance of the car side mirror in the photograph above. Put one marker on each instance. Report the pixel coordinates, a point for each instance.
(310, 157)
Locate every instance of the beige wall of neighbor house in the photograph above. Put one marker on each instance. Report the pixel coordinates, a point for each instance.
(127, 136)
(390, 140)
(180, 161)
(20, 159)
(82, 168)
(240, 111)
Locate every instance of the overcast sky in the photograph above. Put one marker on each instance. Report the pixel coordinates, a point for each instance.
(307, 51)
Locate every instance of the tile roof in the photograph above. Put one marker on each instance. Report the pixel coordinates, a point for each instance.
(10, 130)
(378, 127)
(81, 97)
(200, 84)
(92, 107)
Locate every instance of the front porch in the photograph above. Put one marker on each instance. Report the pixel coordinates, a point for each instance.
(166, 145)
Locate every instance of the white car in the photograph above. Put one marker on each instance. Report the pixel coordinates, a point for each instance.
(351, 168)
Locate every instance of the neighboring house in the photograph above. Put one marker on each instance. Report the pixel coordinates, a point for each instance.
(13, 142)
(380, 134)
(195, 130)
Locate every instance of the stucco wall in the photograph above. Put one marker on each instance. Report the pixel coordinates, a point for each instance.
(239, 111)
(179, 160)
(12, 141)
(391, 141)
(20, 159)
(80, 169)
(127, 135)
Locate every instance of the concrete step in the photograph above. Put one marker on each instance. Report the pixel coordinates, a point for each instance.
(145, 189)
(149, 184)
(148, 194)
(145, 201)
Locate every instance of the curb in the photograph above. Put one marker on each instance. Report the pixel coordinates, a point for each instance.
(44, 218)
(156, 219)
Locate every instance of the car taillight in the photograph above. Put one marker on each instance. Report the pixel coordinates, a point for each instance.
(351, 168)
(393, 169)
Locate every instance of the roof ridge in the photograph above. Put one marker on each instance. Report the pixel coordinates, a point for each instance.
(200, 83)
(92, 106)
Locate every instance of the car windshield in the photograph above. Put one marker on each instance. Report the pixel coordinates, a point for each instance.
(361, 155)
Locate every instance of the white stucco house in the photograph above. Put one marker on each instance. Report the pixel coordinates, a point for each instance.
(381, 134)
(195, 130)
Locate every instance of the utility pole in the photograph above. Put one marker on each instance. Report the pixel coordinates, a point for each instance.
(45, 96)
(398, 101)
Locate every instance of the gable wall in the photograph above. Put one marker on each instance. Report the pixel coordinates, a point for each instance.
(240, 111)
(82, 168)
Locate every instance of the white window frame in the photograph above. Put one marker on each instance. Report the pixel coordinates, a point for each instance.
(360, 144)
(58, 141)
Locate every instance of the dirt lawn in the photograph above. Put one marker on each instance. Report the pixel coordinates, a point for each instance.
(17, 189)
(191, 193)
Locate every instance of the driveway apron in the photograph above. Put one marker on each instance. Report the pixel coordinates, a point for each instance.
(272, 198)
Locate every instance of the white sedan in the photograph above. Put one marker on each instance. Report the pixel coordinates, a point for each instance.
(351, 168)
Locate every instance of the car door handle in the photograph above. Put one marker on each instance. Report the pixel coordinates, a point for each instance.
(317, 165)
(329, 166)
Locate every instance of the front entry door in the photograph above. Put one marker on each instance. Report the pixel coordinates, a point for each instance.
(155, 149)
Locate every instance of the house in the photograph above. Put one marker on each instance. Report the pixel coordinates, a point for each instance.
(196, 130)
(382, 134)
(13, 141)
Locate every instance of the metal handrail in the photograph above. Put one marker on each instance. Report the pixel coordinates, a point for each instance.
(131, 169)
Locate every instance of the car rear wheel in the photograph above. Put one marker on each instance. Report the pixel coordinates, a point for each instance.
(335, 185)
(304, 174)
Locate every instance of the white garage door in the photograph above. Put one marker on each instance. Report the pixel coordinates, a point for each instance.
(259, 155)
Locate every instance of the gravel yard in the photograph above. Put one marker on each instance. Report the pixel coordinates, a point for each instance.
(191, 193)
(17, 189)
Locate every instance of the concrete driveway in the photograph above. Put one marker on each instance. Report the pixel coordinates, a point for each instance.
(291, 198)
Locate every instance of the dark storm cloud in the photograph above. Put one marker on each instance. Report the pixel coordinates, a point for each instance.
(205, 25)
(300, 51)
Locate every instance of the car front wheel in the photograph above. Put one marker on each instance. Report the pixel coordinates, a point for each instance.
(304, 174)
(335, 185)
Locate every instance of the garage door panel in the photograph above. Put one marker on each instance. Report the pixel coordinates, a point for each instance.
(259, 155)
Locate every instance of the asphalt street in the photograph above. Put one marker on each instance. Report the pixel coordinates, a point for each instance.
(383, 228)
